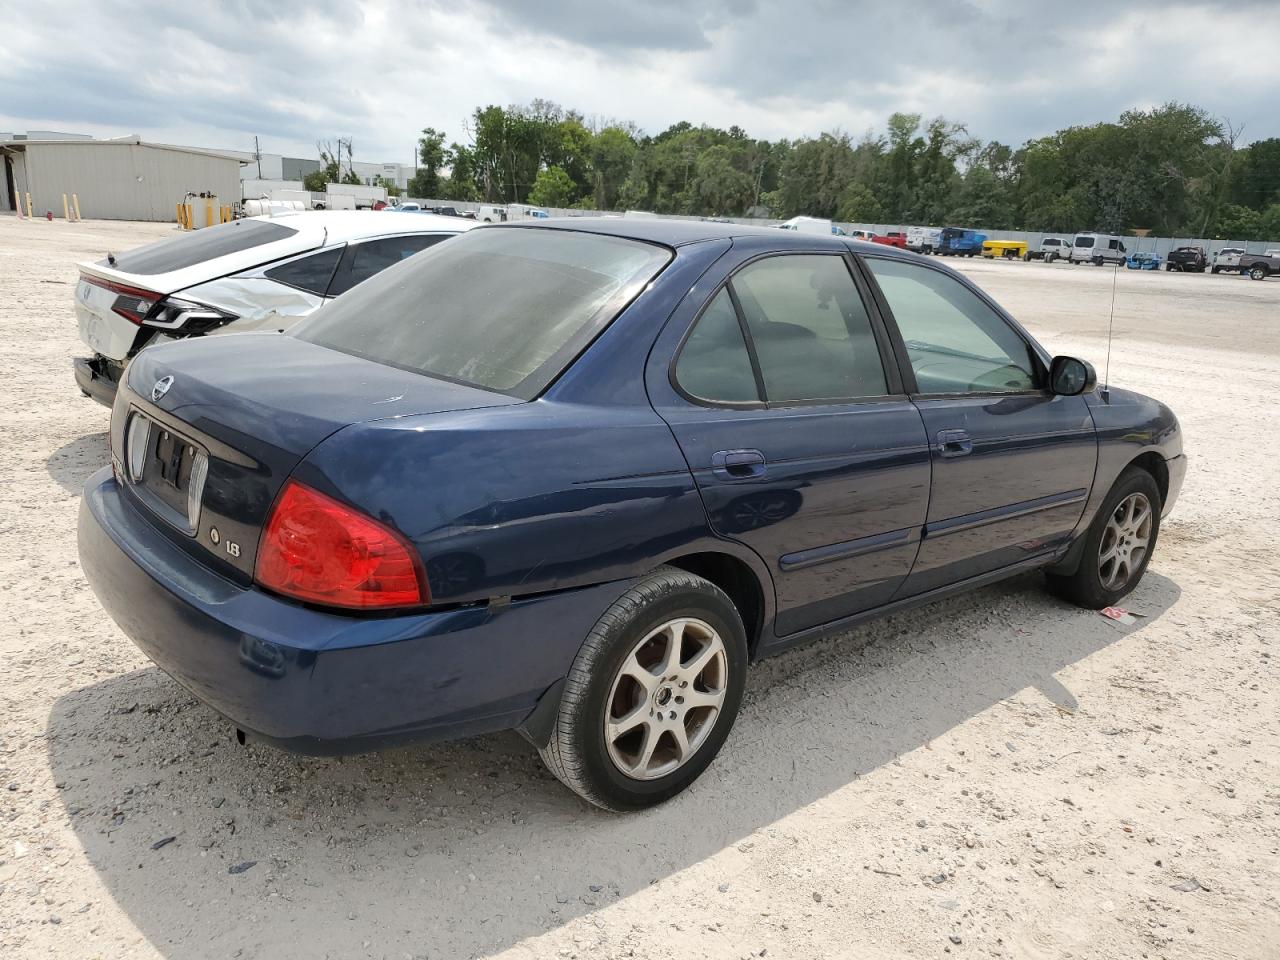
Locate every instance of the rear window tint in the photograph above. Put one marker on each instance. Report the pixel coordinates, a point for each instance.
(311, 273)
(177, 253)
(504, 309)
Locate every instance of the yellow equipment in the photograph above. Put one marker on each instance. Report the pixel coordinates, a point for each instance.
(1009, 249)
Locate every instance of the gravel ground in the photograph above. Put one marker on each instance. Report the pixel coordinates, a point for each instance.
(998, 775)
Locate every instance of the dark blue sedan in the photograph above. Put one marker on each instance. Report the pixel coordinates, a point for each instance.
(572, 477)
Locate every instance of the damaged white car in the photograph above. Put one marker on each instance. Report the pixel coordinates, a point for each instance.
(261, 273)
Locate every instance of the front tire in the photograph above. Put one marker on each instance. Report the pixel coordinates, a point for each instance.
(1118, 546)
(652, 694)
(1257, 272)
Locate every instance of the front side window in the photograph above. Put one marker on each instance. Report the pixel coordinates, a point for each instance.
(502, 308)
(956, 343)
(810, 329)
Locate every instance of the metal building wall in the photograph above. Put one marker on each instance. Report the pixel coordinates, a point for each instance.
(124, 181)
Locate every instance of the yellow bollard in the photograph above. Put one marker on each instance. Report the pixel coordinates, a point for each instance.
(66, 209)
(31, 213)
(208, 213)
(75, 205)
(178, 208)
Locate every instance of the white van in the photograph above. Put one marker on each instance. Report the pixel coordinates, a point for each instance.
(491, 214)
(808, 225)
(924, 239)
(1098, 248)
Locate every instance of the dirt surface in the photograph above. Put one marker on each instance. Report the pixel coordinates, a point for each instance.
(998, 775)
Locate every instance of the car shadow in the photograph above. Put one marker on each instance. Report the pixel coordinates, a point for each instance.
(467, 848)
(74, 462)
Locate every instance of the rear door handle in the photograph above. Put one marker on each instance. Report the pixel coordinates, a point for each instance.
(737, 464)
(954, 443)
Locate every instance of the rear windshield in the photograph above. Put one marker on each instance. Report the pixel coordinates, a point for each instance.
(501, 308)
(177, 253)
(1084, 241)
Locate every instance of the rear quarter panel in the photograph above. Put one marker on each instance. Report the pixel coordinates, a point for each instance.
(523, 499)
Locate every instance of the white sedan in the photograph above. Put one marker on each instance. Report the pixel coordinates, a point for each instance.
(261, 273)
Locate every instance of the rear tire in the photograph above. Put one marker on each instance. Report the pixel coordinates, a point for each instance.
(1117, 547)
(628, 736)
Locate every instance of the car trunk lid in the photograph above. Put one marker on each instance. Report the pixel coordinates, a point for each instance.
(227, 421)
(111, 291)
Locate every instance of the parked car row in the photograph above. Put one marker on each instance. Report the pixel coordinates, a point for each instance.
(574, 480)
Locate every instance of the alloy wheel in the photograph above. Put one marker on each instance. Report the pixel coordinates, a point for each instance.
(666, 698)
(1125, 541)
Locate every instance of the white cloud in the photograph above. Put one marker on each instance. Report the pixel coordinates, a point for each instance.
(293, 72)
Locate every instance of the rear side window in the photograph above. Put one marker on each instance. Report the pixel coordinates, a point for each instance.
(810, 329)
(1084, 242)
(311, 273)
(373, 256)
(178, 253)
(714, 364)
(501, 308)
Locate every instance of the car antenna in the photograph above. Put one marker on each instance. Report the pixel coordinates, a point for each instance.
(1111, 321)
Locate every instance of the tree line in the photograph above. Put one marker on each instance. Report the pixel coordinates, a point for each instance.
(1175, 170)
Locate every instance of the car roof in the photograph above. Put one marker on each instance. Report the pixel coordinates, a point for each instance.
(334, 226)
(679, 233)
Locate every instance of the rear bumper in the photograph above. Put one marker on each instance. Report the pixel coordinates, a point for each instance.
(93, 379)
(317, 682)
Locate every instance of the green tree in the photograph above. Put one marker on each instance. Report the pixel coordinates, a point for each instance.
(859, 204)
(1239, 223)
(1255, 176)
(553, 188)
(720, 187)
(431, 157)
(612, 151)
(813, 176)
(316, 181)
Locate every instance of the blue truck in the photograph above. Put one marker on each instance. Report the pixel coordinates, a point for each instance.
(958, 242)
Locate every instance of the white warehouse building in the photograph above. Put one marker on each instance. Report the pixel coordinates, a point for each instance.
(120, 179)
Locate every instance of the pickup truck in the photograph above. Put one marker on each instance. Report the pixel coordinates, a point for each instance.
(1228, 258)
(1051, 249)
(1259, 266)
(892, 239)
(1187, 260)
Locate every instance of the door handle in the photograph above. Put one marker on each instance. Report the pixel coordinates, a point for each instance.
(954, 443)
(738, 464)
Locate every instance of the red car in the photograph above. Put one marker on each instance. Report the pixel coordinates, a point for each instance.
(891, 239)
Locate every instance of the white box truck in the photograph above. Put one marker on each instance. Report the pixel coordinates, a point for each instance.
(361, 197)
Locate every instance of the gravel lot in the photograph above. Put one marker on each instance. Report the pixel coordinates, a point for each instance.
(998, 775)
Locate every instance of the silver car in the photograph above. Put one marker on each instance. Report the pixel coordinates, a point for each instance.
(261, 273)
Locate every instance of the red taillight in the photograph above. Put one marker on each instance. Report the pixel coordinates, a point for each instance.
(317, 549)
(132, 303)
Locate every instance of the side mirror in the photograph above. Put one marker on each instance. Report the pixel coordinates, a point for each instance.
(1070, 377)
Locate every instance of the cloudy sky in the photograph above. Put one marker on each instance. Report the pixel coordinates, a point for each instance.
(293, 71)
